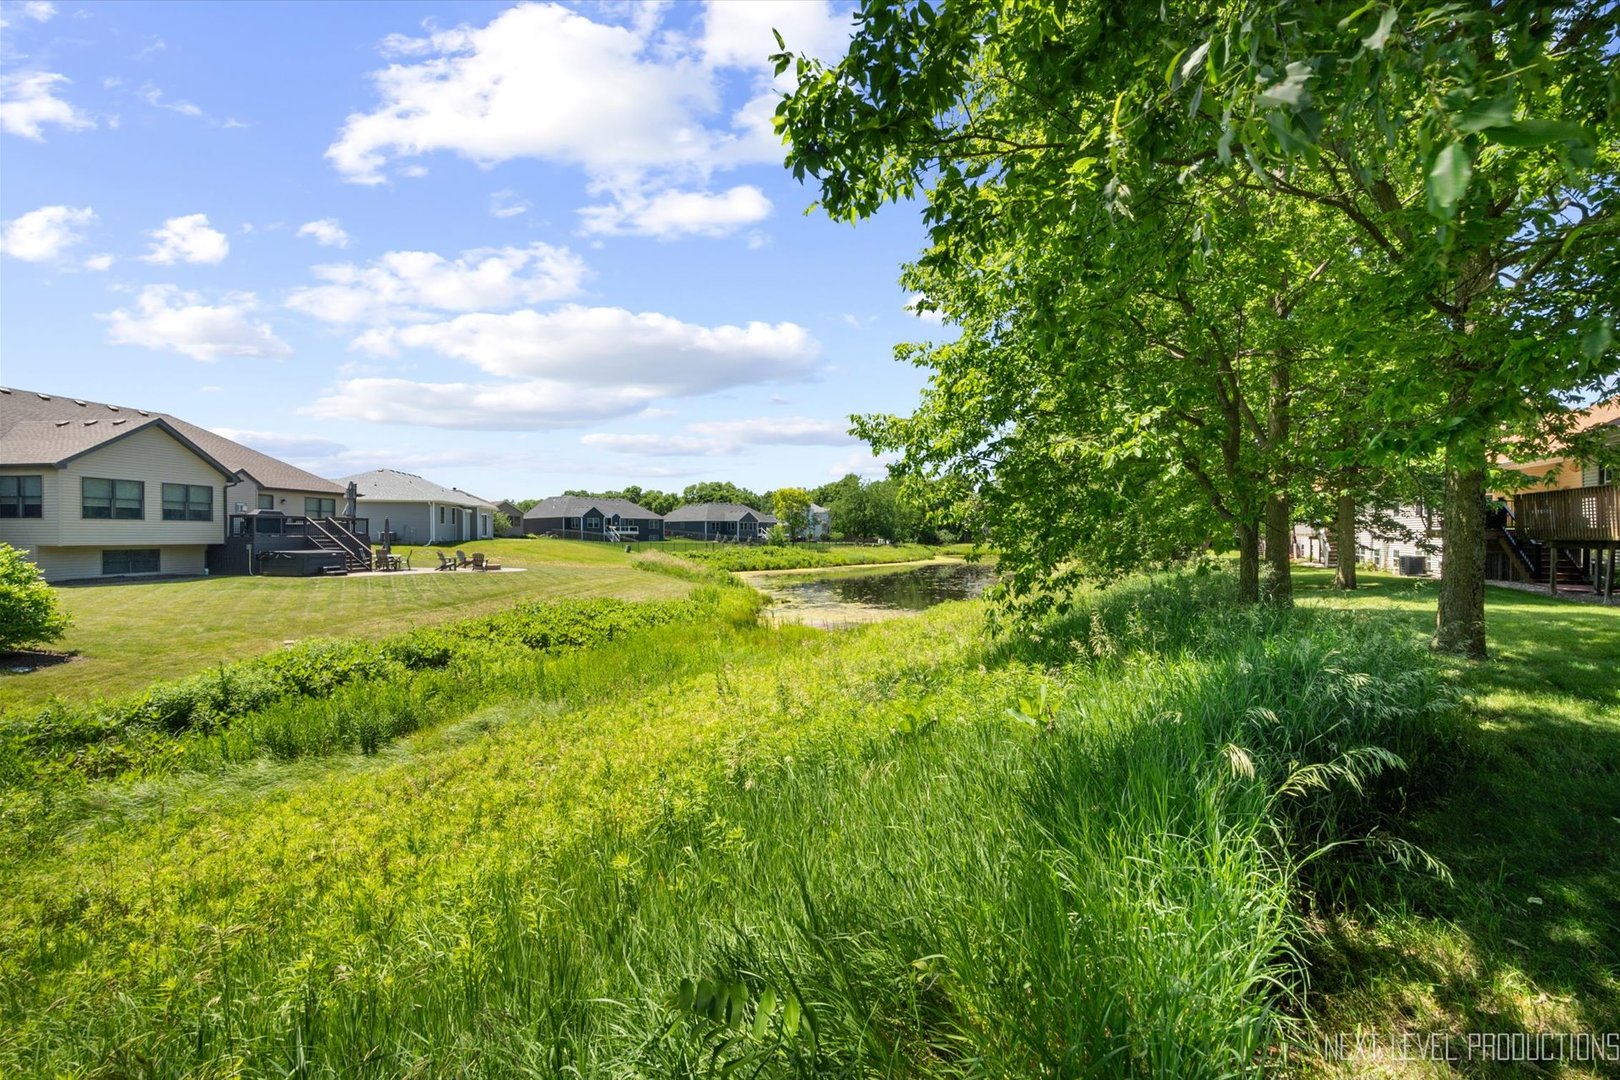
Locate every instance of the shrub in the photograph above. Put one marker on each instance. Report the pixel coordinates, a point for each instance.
(29, 611)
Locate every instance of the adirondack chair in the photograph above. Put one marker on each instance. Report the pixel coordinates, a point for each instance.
(444, 563)
(480, 561)
(461, 559)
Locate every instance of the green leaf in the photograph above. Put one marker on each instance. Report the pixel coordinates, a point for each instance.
(790, 1016)
(1290, 89)
(1532, 132)
(1489, 113)
(1194, 59)
(1386, 22)
(686, 995)
(1596, 341)
(1448, 178)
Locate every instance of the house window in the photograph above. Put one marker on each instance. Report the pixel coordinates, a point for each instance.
(124, 500)
(267, 502)
(455, 516)
(137, 561)
(320, 507)
(22, 497)
(593, 524)
(188, 502)
(441, 515)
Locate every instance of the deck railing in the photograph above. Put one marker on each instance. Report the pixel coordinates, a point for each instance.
(1569, 514)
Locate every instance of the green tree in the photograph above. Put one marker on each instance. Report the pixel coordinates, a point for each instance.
(792, 510)
(502, 522)
(29, 611)
(1469, 149)
(722, 491)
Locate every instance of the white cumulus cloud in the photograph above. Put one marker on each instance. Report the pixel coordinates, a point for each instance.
(37, 10)
(668, 215)
(325, 232)
(28, 102)
(45, 234)
(165, 317)
(538, 81)
(187, 239)
(641, 108)
(407, 285)
(607, 346)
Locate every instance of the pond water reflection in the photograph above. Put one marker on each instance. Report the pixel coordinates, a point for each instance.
(870, 593)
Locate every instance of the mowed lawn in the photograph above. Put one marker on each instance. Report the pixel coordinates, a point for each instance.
(1527, 937)
(129, 635)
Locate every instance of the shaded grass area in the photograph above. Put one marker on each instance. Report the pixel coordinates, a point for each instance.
(899, 850)
(1528, 937)
(127, 635)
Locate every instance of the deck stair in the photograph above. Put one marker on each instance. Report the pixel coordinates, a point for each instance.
(328, 535)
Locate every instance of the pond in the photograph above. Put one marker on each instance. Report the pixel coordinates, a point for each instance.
(844, 597)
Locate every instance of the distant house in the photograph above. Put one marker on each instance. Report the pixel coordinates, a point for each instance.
(1563, 529)
(820, 527)
(576, 517)
(717, 521)
(90, 490)
(418, 511)
(514, 518)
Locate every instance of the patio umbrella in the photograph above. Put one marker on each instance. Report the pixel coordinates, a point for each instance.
(350, 495)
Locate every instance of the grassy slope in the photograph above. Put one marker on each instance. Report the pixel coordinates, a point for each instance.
(1528, 939)
(290, 881)
(129, 635)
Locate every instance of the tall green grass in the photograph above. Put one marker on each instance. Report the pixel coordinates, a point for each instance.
(902, 850)
(808, 556)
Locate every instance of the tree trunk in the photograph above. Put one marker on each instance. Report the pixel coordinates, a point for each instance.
(1279, 565)
(1278, 512)
(1460, 622)
(1248, 538)
(1344, 543)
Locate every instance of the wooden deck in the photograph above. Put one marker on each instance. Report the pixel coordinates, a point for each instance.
(1574, 516)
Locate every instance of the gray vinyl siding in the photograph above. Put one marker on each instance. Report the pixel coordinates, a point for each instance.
(410, 522)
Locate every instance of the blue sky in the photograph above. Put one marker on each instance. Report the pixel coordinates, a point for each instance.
(516, 249)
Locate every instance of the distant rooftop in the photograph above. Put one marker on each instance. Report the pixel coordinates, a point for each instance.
(391, 485)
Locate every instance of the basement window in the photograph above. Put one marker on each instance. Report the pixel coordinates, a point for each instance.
(133, 561)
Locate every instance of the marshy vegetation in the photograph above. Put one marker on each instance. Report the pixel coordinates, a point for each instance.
(1086, 849)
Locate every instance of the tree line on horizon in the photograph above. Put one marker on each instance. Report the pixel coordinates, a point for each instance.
(859, 509)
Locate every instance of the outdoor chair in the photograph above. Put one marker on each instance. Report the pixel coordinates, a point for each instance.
(480, 561)
(461, 559)
(446, 564)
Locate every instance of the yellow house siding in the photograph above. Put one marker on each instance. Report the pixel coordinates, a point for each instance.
(30, 532)
(154, 458)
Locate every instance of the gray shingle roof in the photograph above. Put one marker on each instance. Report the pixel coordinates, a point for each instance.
(566, 506)
(716, 512)
(25, 416)
(391, 485)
